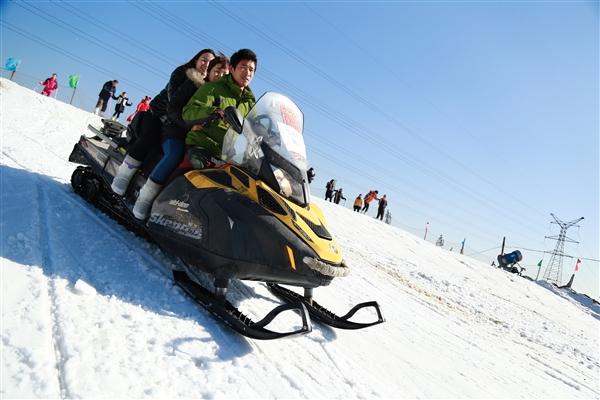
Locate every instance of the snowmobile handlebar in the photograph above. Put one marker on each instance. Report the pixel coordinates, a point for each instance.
(234, 118)
(202, 121)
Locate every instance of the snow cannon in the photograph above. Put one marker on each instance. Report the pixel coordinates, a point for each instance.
(507, 262)
(510, 258)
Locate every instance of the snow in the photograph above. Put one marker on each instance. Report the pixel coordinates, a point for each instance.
(89, 310)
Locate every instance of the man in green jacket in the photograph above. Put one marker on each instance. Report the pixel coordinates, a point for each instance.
(213, 98)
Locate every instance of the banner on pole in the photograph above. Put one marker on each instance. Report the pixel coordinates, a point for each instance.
(11, 64)
(73, 81)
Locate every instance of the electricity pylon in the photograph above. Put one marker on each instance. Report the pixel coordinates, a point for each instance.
(553, 272)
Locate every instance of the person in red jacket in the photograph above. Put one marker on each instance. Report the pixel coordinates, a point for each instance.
(369, 198)
(50, 85)
(143, 106)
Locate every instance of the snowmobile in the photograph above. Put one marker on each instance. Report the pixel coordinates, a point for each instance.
(249, 218)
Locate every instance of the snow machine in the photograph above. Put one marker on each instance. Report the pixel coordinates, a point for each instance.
(510, 262)
(250, 218)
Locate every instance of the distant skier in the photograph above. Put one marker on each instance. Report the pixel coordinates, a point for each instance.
(338, 196)
(329, 188)
(107, 91)
(358, 202)
(50, 85)
(122, 101)
(369, 198)
(381, 208)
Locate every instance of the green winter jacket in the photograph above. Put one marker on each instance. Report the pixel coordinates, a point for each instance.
(210, 96)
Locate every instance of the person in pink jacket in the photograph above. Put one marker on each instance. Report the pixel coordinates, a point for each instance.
(50, 85)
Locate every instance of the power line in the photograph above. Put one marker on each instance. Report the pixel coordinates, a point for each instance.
(327, 77)
(83, 35)
(343, 120)
(395, 77)
(68, 54)
(353, 126)
(138, 44)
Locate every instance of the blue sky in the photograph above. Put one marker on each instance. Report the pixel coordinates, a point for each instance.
(480, 118)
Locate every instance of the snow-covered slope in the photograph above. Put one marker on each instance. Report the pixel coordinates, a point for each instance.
(89, 309)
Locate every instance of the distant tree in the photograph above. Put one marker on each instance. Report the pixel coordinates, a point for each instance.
(388, 217)
(440, 241)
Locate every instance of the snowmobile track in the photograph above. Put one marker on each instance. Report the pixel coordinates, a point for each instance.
(46, 260)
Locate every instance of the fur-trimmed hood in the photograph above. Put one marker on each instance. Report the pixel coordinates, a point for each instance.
(195, 76)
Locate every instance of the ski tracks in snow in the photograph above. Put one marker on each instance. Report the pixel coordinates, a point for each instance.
(58, 340)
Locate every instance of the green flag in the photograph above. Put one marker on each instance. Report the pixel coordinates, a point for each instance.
(73, 80)
(540, 263)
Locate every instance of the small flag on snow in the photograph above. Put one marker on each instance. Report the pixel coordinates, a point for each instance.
(540, 263)
(577, 265)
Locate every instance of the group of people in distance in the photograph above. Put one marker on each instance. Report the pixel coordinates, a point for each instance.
(108, 92)
(185, 119)
(360, 204)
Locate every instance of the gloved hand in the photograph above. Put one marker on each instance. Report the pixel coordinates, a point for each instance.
(219, 113)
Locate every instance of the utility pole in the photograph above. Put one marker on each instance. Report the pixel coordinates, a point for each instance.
(553, 272)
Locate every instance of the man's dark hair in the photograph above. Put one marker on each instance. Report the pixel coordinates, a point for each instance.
(192, 62)
(243, 54)
(115, 81)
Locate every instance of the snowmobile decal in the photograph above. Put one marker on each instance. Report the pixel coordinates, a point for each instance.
(190, 230)
(290, 253)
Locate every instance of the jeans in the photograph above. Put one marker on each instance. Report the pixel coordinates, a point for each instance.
(173, 150)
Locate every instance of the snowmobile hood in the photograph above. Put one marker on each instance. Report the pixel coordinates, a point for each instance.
(308, 223)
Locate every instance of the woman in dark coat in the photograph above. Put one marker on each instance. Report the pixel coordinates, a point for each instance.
(146, 127)
(122, 101)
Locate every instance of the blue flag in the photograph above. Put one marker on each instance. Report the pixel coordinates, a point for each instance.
(12, 64)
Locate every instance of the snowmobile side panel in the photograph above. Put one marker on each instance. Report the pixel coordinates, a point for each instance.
(229, 236)
(307, 223)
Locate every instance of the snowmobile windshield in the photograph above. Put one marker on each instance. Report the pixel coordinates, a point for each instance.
(271, 146)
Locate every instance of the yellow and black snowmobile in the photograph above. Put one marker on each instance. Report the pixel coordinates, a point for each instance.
(250, 218)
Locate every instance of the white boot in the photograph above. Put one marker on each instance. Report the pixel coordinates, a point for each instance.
(124, 174)
(148, 193)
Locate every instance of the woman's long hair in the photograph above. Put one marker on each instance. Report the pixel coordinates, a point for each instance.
(192, 62)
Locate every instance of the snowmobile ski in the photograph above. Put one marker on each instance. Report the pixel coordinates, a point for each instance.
(323, 314)
(234, 318)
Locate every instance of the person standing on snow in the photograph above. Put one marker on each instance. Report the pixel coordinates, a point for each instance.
(338, 196)
(50, 85)
(358, 202)
(310, 174)
(143, 106)
(329, 188)
(369, 198)
(107, 91)
(122, 101)
(381, 208)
